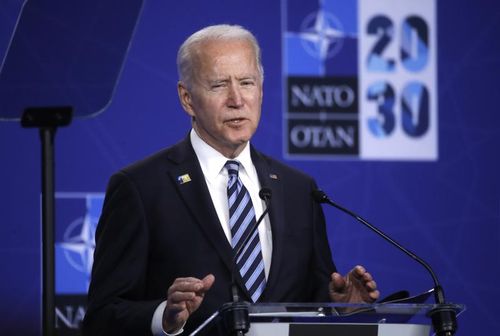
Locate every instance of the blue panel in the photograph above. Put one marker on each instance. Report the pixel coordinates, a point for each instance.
(346, 11)
(302, 63)
(68, 279)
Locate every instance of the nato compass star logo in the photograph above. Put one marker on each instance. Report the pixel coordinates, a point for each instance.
(79, 244)
(322, 34)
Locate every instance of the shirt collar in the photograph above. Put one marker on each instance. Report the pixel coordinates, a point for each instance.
(212, 162)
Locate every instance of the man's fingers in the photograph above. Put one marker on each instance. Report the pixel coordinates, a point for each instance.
(187, 293)
(338, 282)
(361, 274)
(180, 296)
(356, 287)
(187, 282)
(186, 285)
(358, 272)
(208, 281)
(374, 295)
(184, 296)
(367, 277)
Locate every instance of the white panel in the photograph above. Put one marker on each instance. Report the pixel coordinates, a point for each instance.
(403, 330)
(395, 142)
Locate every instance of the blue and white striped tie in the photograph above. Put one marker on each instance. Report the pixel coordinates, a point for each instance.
(241, 219)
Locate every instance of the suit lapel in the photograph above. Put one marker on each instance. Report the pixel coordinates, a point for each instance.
(190, 183)
(271, 179)
(187, 175)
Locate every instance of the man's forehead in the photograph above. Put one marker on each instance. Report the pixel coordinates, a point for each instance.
(212, 47)
(215, 56)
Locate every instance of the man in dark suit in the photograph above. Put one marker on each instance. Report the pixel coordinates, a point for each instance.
(165, 240)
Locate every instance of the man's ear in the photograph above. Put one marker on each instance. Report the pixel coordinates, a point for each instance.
(185, 98)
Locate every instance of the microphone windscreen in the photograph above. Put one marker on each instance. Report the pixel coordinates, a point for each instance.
(265, 193)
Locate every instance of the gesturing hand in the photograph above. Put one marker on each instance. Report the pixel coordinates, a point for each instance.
(183, 298)
(357, 286)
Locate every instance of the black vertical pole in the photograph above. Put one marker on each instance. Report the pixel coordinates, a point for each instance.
(48, 222)
(47, 119)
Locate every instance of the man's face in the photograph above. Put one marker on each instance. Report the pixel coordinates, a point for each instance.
(225, 96)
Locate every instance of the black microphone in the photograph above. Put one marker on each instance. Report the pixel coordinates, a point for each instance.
(444, 316)
(235, 314)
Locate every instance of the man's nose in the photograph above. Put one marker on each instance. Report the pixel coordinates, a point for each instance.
(234, 98)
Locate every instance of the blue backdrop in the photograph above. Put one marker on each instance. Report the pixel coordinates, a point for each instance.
(448, 211)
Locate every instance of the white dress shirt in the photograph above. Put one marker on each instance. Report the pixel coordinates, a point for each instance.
(216, 176)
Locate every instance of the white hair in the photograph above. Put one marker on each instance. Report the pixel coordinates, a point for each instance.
(185, 55)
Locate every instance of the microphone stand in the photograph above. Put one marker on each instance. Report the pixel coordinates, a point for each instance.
(235, 314)
(443, 316)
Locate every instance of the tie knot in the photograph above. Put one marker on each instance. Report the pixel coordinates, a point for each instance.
(232, 167)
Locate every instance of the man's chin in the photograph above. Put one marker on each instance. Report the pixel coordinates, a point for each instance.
(240, 137)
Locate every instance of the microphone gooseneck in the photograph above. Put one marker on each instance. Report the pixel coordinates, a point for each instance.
(265, 194)
(235, 313)
(321, 197)
(444, 316)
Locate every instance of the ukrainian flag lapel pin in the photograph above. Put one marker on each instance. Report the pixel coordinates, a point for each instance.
(183, 178)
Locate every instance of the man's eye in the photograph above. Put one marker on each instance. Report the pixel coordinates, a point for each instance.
(247, 83)
(218, 85)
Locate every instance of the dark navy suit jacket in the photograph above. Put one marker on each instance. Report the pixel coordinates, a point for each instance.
(153, 229)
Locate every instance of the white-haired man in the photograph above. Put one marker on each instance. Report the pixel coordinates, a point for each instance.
(172, 222)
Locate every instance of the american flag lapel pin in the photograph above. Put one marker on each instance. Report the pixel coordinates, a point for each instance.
(183, 178)
(273, 176)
